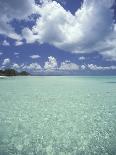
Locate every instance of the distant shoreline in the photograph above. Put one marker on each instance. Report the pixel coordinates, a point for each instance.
(12, 72)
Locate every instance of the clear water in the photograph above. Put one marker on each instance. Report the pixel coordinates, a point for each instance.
(58, 116)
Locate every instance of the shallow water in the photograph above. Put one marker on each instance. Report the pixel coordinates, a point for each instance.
(58, 116)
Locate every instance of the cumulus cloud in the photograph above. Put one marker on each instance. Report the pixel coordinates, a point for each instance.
(19, 43)
(107, 47)
(15, 66)
(83, 67)
(28, 35)
(33, 67)
(35, 56)
(68, 66)
(95, 67)
(110, 55)
(51, 64)
(90, 29)
(16, 54)
(82, 58)
(5, 43)
(14, 9)
(6, 62)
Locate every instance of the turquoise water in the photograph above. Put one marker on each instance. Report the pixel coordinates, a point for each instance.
(58, 116)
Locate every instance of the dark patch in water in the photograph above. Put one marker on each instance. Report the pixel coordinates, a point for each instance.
(111, 82)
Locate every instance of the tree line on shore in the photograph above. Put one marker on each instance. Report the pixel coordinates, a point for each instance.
(12, 72)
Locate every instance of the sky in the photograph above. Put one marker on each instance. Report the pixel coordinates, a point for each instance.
(60, 37)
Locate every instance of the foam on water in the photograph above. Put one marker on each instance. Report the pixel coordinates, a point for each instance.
(58, 116)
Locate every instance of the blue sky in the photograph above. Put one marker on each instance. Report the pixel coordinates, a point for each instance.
(58, 37)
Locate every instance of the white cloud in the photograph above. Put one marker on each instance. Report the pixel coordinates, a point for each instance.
(95, 67)
(14, 9)
(5, 43)
(29, 36)
(83, 67)
(108, 47)
(1, 53)
(51, 64)
(6, 62)
(110, 55)
(33, 67)
(90, 29)
(35, 56)
(16, 66)
(68, 66)
(18, 43)
(82, 58)
(16, 53)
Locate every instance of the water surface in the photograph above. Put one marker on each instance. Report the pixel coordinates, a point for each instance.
(58, 116)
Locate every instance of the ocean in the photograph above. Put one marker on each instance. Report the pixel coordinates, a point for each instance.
(67, 115)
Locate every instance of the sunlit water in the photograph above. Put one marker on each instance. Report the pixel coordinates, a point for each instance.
(58, 116)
